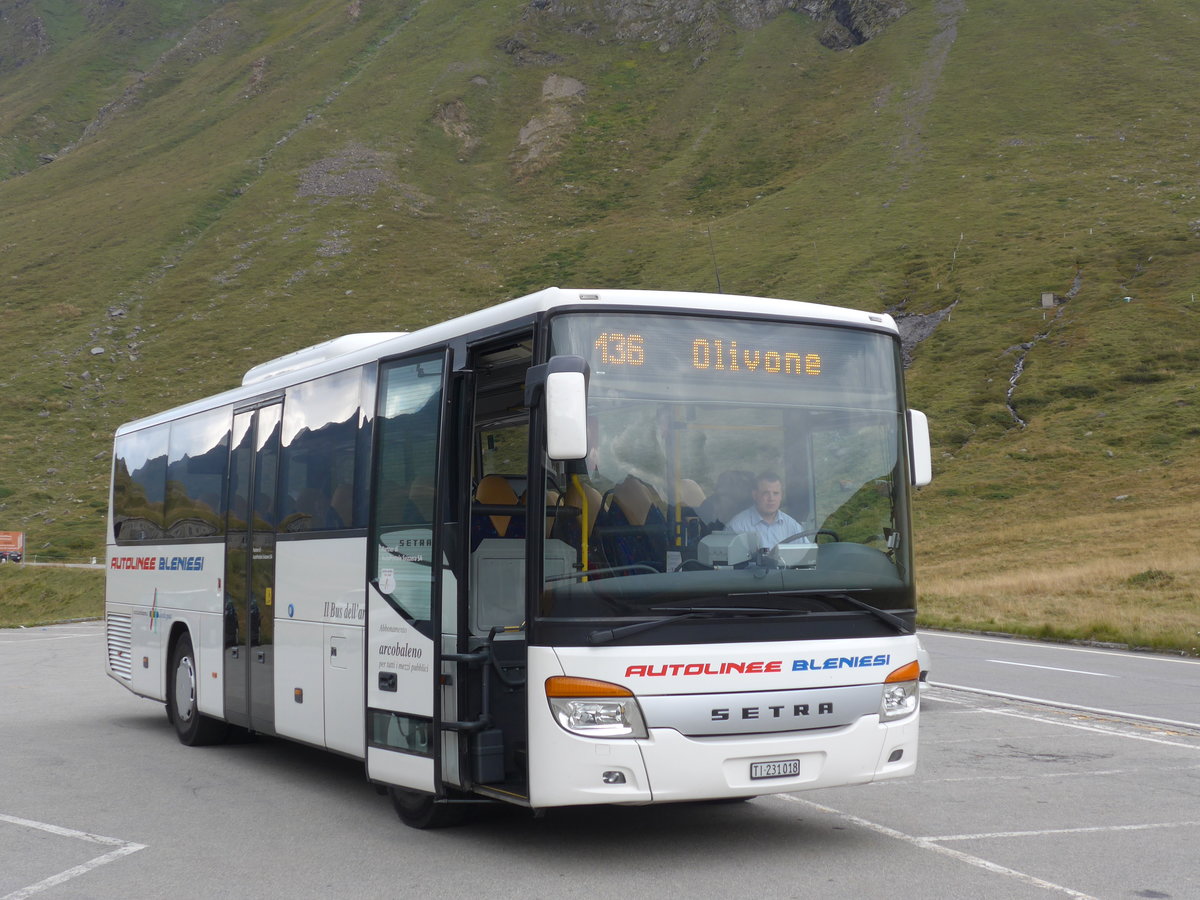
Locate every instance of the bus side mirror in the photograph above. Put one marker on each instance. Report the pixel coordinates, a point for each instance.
(566, 415)
(922, 455)
(563, 381)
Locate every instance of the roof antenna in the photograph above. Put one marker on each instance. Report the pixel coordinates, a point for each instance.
(713, 251)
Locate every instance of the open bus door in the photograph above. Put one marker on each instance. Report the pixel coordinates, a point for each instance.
(406, 573)
(524, 417)
(500, 542)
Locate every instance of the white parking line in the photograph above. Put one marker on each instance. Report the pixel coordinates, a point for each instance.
(929, 844)
(1058, 704)
(122, 848)
(930, 694)
(1083, 830)
(23, 635)
(1096, 728)
(1008, 662)
(935, 843)
(1056, 776)
(1016, 642)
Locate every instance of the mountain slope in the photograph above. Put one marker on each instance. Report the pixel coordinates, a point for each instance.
(230, 181)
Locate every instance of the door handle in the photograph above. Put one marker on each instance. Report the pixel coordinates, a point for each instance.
(262, 656)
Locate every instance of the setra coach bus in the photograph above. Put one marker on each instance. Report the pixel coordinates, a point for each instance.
(499, 559)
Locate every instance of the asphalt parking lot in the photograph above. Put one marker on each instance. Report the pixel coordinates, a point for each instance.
(1012, 800)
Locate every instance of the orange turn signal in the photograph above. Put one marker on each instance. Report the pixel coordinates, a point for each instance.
(911, 672)
(568, 686)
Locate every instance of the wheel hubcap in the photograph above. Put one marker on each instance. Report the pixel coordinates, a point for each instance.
(185, 689)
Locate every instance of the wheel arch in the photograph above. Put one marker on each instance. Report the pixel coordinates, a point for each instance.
(177, 629)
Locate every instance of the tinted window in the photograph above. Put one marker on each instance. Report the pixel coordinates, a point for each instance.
(139, 485)
(406, 469)
(321, 433)
(199, 455)
(239, 474)
(266, 470)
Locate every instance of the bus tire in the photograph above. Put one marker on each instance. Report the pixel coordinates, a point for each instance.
(418, 810)
(194, 729)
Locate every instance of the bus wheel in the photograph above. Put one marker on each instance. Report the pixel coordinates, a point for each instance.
(418, 810)
(193, 729)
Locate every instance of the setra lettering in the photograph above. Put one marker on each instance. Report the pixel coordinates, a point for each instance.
(750, 713)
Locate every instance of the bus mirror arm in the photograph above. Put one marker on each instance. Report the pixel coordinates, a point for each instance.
(536, 377)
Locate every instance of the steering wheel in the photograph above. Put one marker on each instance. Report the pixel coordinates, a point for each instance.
(795, 538)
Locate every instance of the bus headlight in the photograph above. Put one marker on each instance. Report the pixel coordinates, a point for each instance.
(901, 693)
(594, 708)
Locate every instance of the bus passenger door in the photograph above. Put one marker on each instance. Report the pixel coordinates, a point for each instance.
(250, 570)
(504, 518)
(405, 575)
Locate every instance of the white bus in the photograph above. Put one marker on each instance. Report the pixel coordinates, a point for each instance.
(496, 559)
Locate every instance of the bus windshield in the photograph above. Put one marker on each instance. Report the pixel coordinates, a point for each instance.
(734, 465)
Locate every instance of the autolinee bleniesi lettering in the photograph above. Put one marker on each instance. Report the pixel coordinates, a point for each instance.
(662, 670)
(158, 563)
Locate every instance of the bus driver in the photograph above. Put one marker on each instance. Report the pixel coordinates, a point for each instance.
(765, 517)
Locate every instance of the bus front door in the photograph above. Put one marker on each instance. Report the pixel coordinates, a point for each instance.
(502, 522)
(405, 575)
(250, 570)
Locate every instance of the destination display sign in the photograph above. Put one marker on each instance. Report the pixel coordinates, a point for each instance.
(707, 354)
(716, 358)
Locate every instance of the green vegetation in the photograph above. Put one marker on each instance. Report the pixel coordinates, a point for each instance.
(229, 183)
(43, 595)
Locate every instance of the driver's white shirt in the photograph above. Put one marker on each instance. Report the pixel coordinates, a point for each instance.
(769, 533)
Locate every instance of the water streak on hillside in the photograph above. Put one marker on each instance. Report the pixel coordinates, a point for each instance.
(1019, 367)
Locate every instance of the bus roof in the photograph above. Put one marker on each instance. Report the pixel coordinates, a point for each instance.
(357, 349)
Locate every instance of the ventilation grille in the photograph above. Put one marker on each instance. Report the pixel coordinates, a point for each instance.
(120, 645)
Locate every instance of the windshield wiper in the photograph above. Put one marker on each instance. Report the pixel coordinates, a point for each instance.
(607, 635)
(882, 614)
(895, 621)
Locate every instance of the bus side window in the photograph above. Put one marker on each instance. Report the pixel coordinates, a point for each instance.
(139, 485)
(321, 440)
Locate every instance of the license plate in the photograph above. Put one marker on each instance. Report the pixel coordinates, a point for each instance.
(780, 768)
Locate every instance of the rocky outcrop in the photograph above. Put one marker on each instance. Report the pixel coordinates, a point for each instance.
(455, 122)
(915, 328)
(23, 36)
(700, 23)
(849, 23)
(551, 125)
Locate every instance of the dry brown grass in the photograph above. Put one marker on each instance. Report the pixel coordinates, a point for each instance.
(1125, 575)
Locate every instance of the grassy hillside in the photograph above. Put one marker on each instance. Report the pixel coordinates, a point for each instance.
(230, 181)
(44, 595)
